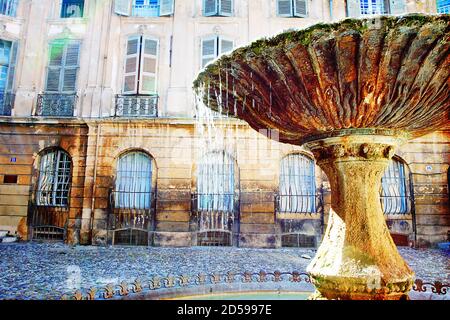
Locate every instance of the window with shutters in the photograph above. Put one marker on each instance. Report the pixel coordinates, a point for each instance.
(140, 97)
(297, 192)
(8, 7)
(54, 179)
(222, 8)
(61, 82)
(357, 8)
(292, 8)
(72, 8)
(8, 58)
(443, 6)
(151, 8)
(212, 47)
(395, 193)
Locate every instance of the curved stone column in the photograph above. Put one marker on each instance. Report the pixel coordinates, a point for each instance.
(358, 258)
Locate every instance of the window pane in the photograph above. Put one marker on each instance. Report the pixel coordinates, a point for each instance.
(72, 8)
(297, 185)
(393, 194)
(130, 83)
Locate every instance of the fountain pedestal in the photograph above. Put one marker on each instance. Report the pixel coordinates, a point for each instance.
(358, 258)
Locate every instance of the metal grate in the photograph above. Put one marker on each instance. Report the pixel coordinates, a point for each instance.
(297, 185)
(56, 105)
(54, 179)
(47, 223)
(298, 240)
(132, 201)
(137, 106)
(395, 196)
(215, 202)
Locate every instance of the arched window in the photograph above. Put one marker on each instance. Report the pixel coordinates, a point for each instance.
(134, 181)
(215, 182)
(54, 179)
(394, 192)
(297, 185)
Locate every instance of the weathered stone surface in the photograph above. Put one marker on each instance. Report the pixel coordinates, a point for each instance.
(384, 72)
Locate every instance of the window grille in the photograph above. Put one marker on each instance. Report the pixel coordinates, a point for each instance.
(54, 179)
(134, 181)
(297, 185)
(394, 194)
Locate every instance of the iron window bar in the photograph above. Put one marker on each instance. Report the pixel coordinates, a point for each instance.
(48, 223)
(7, 100)
(137, 106)
(56, 104)
(298, 203)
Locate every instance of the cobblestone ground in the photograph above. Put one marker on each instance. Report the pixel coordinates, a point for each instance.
(44, 271)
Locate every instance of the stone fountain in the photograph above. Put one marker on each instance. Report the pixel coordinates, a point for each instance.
(351, 92)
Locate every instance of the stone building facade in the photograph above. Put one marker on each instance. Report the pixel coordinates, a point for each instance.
(102, 142)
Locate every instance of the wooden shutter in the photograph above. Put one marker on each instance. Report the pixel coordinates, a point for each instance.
(300, 8)
(397, 7)
(70, 66)
(56, 57)
(149, 65)
(209, 50)
(122, 7)
(353, 8)
(225, 46)
(166, 7)
(209, 7)
(12, 67)
(226, 8)
(130, 82)
(284, 8)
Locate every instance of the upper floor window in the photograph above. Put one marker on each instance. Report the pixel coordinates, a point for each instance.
(141, 64)
(297, 185)
(54, 179)
(8, 7)
(214, 46)
(63, 66)
(8, 57)
(218, 8)
(394, 192)
(443, 6)
(292, 8)
(72, 8)
(358, 8)
(144, 8)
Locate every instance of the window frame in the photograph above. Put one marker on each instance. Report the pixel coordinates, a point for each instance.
(286, 180)
(55, 171)
(61, 8)
(140, 60)
(217, 47)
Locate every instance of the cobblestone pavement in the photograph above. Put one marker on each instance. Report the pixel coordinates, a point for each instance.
(44, 271)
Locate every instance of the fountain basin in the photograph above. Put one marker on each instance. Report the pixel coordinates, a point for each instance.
(351, 92)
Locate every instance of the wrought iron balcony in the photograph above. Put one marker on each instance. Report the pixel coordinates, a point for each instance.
(137, 106)
(8, 7)
(145, 10)
(6, 103)
(56, 104)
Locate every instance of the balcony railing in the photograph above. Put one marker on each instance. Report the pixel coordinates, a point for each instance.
(56, 105)
(8, 7)
(444, 9)
(137, 106)
(6, 103)
(145, 10)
